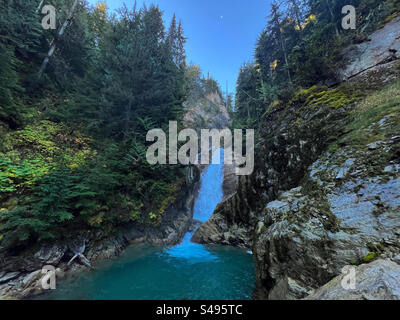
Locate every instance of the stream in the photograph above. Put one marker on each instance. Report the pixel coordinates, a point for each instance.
(186, 271)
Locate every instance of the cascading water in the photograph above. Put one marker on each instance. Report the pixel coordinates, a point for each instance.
(185, 271)
(210, 195)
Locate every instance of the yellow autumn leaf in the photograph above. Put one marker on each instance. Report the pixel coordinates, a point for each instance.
(96, 220)
(274, 65)
(101, 6)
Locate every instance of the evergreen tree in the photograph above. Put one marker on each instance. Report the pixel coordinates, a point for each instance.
(181, 41)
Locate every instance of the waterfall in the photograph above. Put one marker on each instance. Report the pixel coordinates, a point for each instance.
(210, 195)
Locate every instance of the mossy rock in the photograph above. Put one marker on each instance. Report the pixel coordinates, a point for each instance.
(337, 98)
(364, 127)
(274, 106)
(370, 257)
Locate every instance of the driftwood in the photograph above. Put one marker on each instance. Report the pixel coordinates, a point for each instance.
(78, 253)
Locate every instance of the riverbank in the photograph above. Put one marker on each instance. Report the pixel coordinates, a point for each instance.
(171, 272)
(20, 273)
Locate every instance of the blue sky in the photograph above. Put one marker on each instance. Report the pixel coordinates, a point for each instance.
(221, 33)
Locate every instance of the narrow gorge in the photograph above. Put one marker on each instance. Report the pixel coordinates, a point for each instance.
(106, 186)
(325, 193)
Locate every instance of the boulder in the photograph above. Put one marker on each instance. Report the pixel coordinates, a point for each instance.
(379, 280)
(51, 254)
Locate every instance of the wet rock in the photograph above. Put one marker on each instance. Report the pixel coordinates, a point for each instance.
(51, 255)
(230, 180)
(9, 276)
(217, 231)
(195, 225)
(288, 288)
(379, 280)
(31, 277)
(395, 139)
(374, 145)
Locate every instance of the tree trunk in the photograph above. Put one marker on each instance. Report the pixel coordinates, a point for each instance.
(286, 60)
(40, 6)
(128, 116)
(53, 43)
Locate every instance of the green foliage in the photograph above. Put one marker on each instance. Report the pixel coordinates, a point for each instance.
(300, 47)
(249, 104)
(50, 209)
(73, 153)
(9, 85)
(21, 175)
(376, 251)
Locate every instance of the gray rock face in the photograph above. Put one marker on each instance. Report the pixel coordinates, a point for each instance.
(51, 255)
(9, 276)
(218, 231)
(208, 112)
(379, 280)
(309, 236)
(230, 183)
(283, 157)
(313, 206)
(384, 46)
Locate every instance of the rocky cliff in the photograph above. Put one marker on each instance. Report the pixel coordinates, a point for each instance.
(325, 192)
(208, 112)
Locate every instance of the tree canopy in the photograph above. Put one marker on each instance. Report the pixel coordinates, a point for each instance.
(73, 139)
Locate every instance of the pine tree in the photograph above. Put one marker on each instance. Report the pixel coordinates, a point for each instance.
(181, 41)
(172, 33)
(176, 41)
